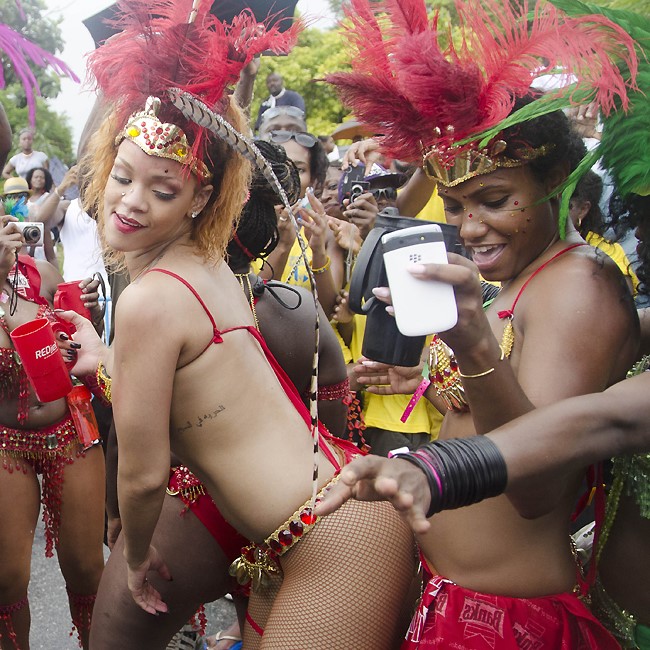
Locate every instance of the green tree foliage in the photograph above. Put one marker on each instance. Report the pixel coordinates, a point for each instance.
(638, 6)
(53, 133)
(318, 53)
(43, 31)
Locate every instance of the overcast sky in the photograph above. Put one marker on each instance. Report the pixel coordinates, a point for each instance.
(76, 101)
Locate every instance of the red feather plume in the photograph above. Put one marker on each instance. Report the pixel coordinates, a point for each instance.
(404, 83)
(158, 49)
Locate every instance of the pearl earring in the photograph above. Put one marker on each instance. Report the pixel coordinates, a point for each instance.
(123, 193)
(195, 215)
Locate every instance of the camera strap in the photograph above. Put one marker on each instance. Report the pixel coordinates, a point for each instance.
(25, 282)
(365, 275)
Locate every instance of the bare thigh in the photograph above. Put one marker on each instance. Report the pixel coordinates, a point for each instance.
(81, 531)
(345, 584)
(199, 570)
(19, 508)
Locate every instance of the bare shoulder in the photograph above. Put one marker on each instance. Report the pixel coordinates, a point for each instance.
(579, 311)
(50, 277)
(150, 302)
(585, 281)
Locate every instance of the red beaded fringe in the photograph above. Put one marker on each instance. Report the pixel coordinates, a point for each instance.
(6, 613)
(199, 621)
(47, 451)
(82, 613)
(356, 424)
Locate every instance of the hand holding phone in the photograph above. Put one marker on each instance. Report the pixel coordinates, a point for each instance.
(421, 306)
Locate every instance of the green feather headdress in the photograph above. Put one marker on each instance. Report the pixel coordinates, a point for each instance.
(624, 146)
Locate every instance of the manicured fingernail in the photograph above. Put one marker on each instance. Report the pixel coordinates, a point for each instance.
(64, 336)
(381, 292)
(417, 268)
(76, 346)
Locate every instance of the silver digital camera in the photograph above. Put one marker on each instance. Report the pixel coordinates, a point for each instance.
(32, 232)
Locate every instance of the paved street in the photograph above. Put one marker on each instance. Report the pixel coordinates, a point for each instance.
(49, 604)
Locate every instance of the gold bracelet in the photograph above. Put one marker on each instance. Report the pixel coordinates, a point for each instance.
(323, 268)
(104, 382)
(485, 372)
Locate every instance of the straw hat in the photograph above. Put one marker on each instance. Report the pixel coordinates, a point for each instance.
(352, 129)
(16, 185)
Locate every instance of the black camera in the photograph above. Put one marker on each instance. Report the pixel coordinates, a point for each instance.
(32, 232)
(352, 185)
(382, 341)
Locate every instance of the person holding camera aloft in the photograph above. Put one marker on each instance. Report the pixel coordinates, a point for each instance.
(563, 323)
(325, 256)
(40, 439)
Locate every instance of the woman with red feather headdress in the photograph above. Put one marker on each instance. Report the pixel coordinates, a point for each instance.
(563, 323)
(188, 372)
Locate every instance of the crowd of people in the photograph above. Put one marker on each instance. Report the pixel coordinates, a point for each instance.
(342, 501)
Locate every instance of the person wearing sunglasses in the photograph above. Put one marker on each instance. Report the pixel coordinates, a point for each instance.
(280, 97)
(282, 118)
(324, 255)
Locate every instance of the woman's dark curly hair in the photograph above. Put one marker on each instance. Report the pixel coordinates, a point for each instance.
(553, 130)
(49, 181)
(257, 233)
(590, 188)
(318, 165)
(633, 213)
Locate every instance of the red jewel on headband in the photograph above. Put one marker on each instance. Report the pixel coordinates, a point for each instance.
(470, 215)
(516, 202)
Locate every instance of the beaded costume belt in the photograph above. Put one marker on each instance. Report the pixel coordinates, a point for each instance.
(258, 562)
(38, 443)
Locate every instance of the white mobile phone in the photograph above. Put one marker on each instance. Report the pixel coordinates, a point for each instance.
(421, 306)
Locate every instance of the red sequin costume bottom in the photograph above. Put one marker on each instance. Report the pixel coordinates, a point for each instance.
(450, 616)
(47, 451)
(186, 486)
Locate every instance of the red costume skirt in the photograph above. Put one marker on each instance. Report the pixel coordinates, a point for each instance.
(47, 451)
(452, 617)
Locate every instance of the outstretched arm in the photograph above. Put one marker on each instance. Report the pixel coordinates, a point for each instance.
(560, 439)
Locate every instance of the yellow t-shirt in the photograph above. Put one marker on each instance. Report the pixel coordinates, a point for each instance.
(434, 210)
(616, 252)
(295, 271)
(384, 411)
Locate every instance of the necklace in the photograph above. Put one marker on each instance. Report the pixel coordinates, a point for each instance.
(248, 290)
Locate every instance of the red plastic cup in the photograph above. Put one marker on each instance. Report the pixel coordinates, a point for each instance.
(68, 297)
(37, 348)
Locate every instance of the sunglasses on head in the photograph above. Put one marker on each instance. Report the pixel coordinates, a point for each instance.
(276, 111)
(304, 139)
(386, 193)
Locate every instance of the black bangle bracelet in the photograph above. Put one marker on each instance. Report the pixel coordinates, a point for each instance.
(434, 504)
(470, 470)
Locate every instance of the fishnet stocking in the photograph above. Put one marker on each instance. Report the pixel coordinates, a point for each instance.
(345, 585)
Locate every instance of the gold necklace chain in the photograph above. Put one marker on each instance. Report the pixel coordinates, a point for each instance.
(248, 290)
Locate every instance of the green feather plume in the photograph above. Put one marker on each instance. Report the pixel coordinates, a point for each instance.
(625, 139)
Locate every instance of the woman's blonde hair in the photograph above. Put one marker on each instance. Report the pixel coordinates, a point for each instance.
(213, 228)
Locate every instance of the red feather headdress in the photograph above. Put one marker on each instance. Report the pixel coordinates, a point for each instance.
(425, 98)
(165, 44)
